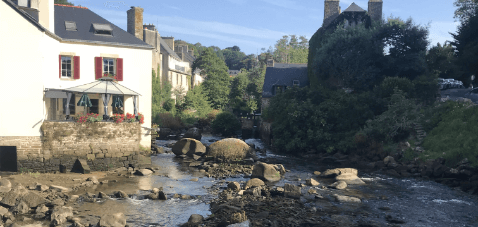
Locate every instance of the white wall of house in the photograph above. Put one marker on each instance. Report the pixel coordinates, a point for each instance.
(137, 66)
(23, 63)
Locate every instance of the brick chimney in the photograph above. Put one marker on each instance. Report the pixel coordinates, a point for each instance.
(151, 36)
(135, 21)
(331, 11)
(375, 9)
(270, 62)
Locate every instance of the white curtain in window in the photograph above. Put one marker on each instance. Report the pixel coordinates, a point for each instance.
(106, 100)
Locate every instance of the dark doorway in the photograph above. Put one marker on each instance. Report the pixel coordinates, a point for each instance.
(94, 107)
(8, 158)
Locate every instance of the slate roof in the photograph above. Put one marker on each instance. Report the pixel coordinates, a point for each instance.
(165, 47)
(354, 8)
(84, 19)
(284, 75)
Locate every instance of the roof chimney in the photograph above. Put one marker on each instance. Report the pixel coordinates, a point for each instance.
(270, 62)
(375, 9)
(331, 11)
(135, 21)
(169, 41)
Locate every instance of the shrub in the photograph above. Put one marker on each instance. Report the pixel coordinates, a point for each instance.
(206, 121)
(454, 138)
(226, 123)
(389, 84)
(167, 120)
(397, 122)
(169, 105)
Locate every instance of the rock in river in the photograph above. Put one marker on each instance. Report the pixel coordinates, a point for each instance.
(254, 182)
(188, 147)
(112, 220)
(229, 149)
(342, 198)
(265, 172)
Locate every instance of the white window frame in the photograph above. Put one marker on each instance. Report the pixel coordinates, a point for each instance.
(114, 65)
(64, 67)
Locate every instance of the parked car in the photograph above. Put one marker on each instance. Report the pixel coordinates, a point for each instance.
(473, 95)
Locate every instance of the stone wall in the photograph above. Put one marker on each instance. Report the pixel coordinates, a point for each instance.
(104, 145)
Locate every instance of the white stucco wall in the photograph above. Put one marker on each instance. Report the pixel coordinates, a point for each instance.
(23, 62)
(29, 63)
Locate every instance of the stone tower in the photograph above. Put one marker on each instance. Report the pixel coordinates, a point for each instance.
(135, 21)
(331, 11)
(375, 9)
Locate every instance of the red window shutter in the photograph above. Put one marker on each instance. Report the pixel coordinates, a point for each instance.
(98, 67)
(76, 67)
(119, 69)
(60, 67)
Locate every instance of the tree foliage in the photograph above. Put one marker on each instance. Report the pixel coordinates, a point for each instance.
(160, 94)
(291, 49)
(196, 101)
(466, 45)
(63, 2)
(442, 62)
(465, 9)
(217, 81)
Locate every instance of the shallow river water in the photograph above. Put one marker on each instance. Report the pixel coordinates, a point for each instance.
(417, 202)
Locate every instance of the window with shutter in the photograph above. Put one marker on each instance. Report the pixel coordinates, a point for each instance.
(76, 67)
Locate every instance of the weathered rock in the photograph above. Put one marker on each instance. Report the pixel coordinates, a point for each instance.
(42, 187)
(280, 168)
(93, 179)
(185, 197)
(254, 182)
(265, 172)
(102, 195)
(194, 179)
(312, 191)
(229, 149)
(238, 217)
(158, 195)
(188, 146)
(59, 188)
(339, 171)
(292, 191)
(56, 202)
(5, 185)
(312, 182)
(195, 219)
(74, 198)
(234, 186)
(341, 198)
(317, 173)
(193, 133)
(81, 166)
(20, 193)
(112, 220)
(143, 172)
(156, 190)
(255, 191)
(59, 215)
(3, 211)
(21, 208)
(388, 160)
(339, 185)
(42, 209)
(121, 194)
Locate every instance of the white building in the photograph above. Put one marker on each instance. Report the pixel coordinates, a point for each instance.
(46, 49)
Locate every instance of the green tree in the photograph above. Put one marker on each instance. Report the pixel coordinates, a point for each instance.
(217, 81)
(233, 58)
(160, 93)
(465, 10)
(441, 61)
(466, 46)
(197, 101)
(289, 49)
(239, 95)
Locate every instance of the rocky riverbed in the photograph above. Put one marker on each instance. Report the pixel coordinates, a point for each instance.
(259, 189)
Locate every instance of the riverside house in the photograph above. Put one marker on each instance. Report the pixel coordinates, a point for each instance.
(50, 56)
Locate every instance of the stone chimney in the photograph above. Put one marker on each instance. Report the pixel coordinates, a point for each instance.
(151, 36)
(270, 62)
(191, 52)
(135, 21)
(375, 9)
(331, 11)
(169, 41)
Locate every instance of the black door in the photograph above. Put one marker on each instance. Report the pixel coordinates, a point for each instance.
(8, 158)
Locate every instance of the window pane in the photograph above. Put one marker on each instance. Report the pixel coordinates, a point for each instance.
(111, 61)
(63, 72)
(63, 65)
(105, 61)
(105, 68)
(68, 67)
(68, 74)
(111, 69)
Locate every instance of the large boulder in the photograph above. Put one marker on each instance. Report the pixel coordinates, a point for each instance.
(312, 182)
(143, 172)
(229, 149)
(265, 172)
(349, 199)
(112, 220)
(5, 185)
(21, 208)
(188, 146)
(349, 175)
(193, 133)
(59, 215)
(20, 193)
(195, 219)
(339, 185)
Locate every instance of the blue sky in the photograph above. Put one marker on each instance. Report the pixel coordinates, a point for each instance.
(254, 24)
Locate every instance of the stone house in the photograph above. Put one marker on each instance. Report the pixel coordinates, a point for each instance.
(65, 49)
(280, 76)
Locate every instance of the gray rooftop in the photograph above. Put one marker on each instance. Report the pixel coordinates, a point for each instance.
(284, 75)
(354, 8)
(165, 47)
(86, 23)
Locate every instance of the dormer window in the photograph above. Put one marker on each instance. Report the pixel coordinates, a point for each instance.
(70, 26)
(103, 29)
